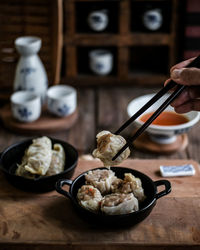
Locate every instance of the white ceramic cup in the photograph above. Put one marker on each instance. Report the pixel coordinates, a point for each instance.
(25, 106)
(153, 19)
(161, 134)
(98, 20)
(101, 61)
(61, 100)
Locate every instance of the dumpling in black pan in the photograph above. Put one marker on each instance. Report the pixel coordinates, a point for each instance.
(89, 197)
(119, 203)
(101, 179)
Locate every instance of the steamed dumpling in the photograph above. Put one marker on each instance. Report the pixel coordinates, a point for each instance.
(41, 160)
(119, 204)
(89, 197)
(108, 145)
(37, 157)
(57, 160)
(101, 179)
(130, 184)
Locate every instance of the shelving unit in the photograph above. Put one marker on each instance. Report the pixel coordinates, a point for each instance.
(140, 56)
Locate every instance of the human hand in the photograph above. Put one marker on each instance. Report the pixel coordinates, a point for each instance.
(190, 77)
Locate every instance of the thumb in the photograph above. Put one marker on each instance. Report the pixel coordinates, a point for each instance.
(186, 76)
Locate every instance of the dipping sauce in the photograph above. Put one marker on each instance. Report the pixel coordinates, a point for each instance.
(166, 118)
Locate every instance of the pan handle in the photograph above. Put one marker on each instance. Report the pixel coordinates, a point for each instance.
(60, 184)
(167, 190)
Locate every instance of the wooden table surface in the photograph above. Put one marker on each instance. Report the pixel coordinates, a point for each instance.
(105, 108)
(49, 221)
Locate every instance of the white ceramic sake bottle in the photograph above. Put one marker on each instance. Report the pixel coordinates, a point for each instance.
(30, 72)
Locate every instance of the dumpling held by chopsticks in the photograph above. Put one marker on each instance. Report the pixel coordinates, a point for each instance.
(108, 145)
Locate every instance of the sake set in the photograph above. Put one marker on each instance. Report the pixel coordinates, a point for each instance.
(31, 90)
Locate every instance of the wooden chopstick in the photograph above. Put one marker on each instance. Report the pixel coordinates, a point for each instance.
(177, 92)
(170, 85)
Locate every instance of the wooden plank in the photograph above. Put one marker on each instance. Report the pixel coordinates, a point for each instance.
(19, 19)
(71, 61)
(118, 40)
(57, 39)
(28, 29)
(123, 62)
(69, 18)
(173, 224)
(148, 79)
(124, 17)
(23, 8)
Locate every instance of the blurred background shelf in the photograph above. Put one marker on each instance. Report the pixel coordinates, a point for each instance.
(140, 56)
(42, 18)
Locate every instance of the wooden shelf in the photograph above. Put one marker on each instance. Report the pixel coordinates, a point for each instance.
(130, 79)
(66, 44)
(117, 40)
(125, 43)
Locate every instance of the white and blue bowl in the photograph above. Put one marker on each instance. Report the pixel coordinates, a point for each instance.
(161, 134)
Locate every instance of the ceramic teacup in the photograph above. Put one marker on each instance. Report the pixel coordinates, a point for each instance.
(25, 106)
(98, 20)
(101, 61)
(61, 100)
(153, 19)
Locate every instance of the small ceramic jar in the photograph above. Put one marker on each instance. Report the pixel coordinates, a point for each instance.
(101, 61)
(30, 72)
(98, 20)
(25, 106)
(61, 100)
(152, 19)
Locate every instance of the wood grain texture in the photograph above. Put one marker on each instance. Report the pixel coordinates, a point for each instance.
(30, 18)
(122, 40)
(40, 220)
(105, 109)
(46, 122)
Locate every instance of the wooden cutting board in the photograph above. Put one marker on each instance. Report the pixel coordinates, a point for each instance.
(48, 221)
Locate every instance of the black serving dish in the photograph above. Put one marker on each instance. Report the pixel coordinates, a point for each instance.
(12, 156)
(145, 208)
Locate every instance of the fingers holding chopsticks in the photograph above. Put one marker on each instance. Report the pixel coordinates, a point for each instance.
(182, 64)
(188, 99)
(186, 76)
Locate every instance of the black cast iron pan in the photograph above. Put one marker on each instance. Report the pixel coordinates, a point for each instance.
(145, 208)
(13, 155)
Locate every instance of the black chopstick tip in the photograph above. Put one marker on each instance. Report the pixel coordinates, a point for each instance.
(115, 157)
